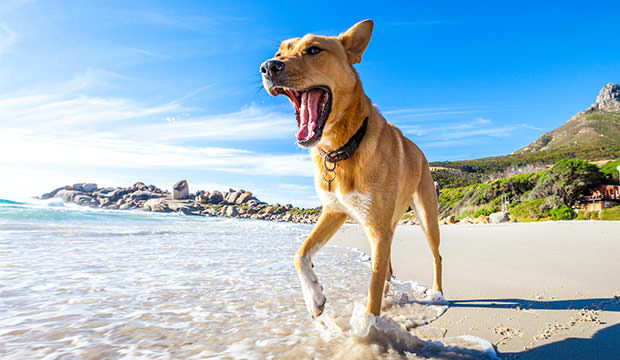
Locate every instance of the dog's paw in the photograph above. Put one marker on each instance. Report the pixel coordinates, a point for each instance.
(316, 308)
(313, 292)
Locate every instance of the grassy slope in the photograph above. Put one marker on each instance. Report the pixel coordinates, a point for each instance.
(588, 135)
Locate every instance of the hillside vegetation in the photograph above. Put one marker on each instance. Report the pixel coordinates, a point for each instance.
(543, 195)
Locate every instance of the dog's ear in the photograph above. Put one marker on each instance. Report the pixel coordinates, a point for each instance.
(356, 39)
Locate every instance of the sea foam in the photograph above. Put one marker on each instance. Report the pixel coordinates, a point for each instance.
(111, 284)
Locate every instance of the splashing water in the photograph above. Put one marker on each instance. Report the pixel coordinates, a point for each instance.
(88, 284)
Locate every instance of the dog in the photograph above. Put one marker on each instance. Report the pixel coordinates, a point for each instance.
(364, 166)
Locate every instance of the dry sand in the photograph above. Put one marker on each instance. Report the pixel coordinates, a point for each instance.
(546, 290)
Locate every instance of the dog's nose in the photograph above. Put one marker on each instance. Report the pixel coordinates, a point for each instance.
(271, 67)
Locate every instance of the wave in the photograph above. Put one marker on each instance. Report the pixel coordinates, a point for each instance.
(10, 202)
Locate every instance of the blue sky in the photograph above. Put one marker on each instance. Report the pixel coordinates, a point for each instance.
(120, 91)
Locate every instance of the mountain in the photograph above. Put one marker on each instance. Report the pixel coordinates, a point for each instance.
(593, 134)
(598, 126)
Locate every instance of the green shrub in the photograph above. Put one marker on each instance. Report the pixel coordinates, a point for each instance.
(485, 211)
(611, 214)
(592, 215)
(568, 179)
(530, 210)
(562, 213)
(580, 216)
(610, 171)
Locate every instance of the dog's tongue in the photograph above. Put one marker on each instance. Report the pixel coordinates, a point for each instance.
(309, 113)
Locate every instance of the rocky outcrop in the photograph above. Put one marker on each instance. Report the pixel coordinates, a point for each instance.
(139, 196)
(499, 217)
(608, 99)
(215, 197)
(180, 190)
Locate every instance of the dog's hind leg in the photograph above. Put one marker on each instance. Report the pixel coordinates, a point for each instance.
(329, 222)
(380, 243)
(425, 202)
(389, 275)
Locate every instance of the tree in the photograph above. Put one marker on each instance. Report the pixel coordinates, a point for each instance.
(569, 179)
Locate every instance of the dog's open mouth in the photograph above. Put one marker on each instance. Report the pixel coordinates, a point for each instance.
(312, 107)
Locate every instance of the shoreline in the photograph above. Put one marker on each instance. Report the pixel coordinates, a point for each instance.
(230, 204)
(535, 290)
(139, 196)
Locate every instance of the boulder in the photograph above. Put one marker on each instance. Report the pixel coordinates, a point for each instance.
(180, 190)
(466, 220)
(143, 195)
(83, 199)
(139, 186)
(66, 195)
(244, 197)
(112, 194)
(216, 197)
(183, 206)
(52, 193)
(481, 220)
(103, 201)
(183, 209)
(128, 205)
(90, 187)
(231, 211)
(266, 210)
(156, 204)
(202, 198)
(231, 197)
(499, 217)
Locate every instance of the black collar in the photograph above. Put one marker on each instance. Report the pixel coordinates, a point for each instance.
(348, 149)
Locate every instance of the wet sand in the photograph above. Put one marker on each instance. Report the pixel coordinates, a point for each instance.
(546, 290)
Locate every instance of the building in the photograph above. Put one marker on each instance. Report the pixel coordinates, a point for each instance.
(602, 197)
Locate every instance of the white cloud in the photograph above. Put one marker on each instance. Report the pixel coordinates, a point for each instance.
(249, 123)
(477, 127)
(68, 130)
(7, 38)
(51, 113)
(413, 114)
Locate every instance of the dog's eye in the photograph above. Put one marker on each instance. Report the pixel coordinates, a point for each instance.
(278, 54)
(313, 50)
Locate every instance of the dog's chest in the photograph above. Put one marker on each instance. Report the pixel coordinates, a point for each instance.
(356, 204)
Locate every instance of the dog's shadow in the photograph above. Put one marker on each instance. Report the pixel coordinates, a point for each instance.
(603, 345)
(606, 304)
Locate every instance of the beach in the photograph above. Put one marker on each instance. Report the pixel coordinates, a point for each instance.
(88, 283)
(84, 283)
(548, 290)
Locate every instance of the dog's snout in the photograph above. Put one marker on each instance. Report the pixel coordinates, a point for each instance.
(271, 67)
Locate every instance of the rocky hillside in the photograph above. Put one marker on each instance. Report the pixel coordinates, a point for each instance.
(596, 127)
(593, 134)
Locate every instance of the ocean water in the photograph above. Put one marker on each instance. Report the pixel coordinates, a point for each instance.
(79, 283)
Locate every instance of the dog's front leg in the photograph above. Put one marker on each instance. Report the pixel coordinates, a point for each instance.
(329, 222)
(380, 242)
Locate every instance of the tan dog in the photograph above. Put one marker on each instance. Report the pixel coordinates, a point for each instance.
(364, 167)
